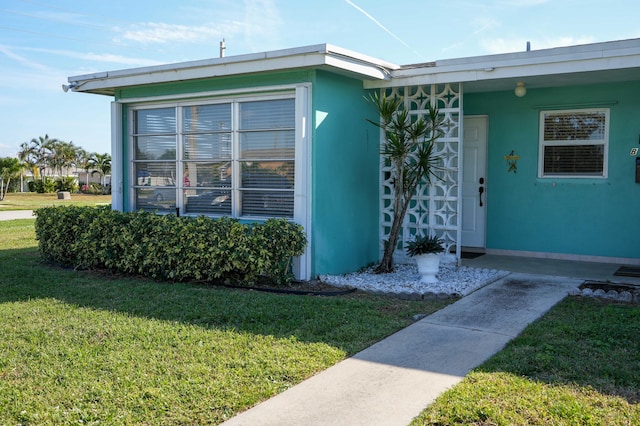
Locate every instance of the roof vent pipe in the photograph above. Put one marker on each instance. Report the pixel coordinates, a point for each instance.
(528, 46)
(222, 48)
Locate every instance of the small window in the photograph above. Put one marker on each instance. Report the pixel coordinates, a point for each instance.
(574, 143)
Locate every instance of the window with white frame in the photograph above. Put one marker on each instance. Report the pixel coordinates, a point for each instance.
(233, 158)
(574, 143)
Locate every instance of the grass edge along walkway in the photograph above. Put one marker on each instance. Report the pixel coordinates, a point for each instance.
(86, 347)
(577, 365)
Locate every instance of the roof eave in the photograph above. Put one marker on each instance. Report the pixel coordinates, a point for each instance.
(586, 58)
(321, 56)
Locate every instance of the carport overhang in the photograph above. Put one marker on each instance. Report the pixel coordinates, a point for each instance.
(608, 62)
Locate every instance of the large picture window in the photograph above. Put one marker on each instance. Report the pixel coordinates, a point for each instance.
(574, 143)
(234, 158)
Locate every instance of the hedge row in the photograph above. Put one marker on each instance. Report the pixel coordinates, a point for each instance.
(169, 247)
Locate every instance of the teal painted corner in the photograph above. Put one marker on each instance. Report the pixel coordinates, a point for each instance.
(345, 177)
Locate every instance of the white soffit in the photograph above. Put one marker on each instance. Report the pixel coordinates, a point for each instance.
(321, 56)
(608, 56)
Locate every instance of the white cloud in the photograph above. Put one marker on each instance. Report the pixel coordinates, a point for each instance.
(116, 59)
(262, 23)
(479, 26)
(524, 3)
(96, 57)
(385, 29)
(50, 81)
(22, 60)
(158, 32)
(501, 45)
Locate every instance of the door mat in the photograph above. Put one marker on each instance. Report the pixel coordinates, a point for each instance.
(470, 255)
(628, 271)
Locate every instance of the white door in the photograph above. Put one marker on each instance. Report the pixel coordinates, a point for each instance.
(474, 180)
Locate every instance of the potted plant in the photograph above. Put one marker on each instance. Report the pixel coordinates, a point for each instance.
(426, 250)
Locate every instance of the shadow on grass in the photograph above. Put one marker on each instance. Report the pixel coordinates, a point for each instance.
(586, 342)
(349, 323)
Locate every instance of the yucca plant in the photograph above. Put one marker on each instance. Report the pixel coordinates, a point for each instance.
(409, 146)
(424, 245)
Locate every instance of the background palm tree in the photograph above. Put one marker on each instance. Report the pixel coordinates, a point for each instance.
(102, 165)
(27, 158)
(10, 168)
(61, 156)
(83, 161)
(41, 148)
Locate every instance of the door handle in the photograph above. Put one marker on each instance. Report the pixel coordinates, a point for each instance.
(481, 189)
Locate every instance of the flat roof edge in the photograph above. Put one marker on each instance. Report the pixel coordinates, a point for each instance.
(320, 55)
(487, 67)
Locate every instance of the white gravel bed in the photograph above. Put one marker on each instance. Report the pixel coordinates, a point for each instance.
(405, 281)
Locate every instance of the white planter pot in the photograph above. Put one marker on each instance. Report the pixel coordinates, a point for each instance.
(428, 266)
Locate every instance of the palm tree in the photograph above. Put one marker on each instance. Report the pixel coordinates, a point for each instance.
(62, 155)
(102, 165)
(27, 157)
(83, 161)
(409, 148)
(9, 168)
(40, 148)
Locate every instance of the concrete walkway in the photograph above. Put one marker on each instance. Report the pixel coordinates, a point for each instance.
(16, 214)
(392, 381)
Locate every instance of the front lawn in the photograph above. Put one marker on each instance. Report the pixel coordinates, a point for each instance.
(32, 200)
(578, 365)
(81, 347)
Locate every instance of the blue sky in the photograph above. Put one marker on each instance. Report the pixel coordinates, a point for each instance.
(44, 42)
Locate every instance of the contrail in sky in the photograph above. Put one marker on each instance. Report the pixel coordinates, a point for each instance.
(375, 21)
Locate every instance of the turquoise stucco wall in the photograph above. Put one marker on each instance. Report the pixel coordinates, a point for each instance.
(213, 84)
(594, 217)
(345, 177)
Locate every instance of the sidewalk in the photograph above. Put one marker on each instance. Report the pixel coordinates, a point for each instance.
(16, 214)
(392, 381)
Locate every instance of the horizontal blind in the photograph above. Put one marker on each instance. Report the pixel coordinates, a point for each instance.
(573, 143)
(154, 121)
(574, 126)
(267, 157)
(574, 159)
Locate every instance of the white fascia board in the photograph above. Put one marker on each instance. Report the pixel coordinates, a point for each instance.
(288, 59)
(605, 64)
(363, 69)
(361, 58)
(598, 57)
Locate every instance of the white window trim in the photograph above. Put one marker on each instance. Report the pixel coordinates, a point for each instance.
(542, 144)
(234, 101)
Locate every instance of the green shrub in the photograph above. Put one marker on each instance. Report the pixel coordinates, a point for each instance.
(41, 186)
(59, 229)
(66, 183)
(169, 247)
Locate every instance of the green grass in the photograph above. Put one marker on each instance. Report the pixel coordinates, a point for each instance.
(32, 200)
(578, 365)
(80, 347)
